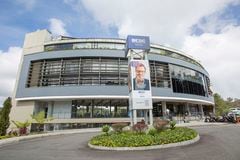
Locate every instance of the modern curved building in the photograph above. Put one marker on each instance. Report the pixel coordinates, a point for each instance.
(83, 82)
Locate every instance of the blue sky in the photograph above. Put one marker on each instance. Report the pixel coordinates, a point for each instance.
(17, 18)
(21, 16)
(205, 29)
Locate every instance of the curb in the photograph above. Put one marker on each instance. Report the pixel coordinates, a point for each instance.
(183, 143)
(17, 139)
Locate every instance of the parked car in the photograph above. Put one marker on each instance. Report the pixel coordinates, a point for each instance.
(234, 111)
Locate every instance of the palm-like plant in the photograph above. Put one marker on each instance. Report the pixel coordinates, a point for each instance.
(40, 119)
(22, 126)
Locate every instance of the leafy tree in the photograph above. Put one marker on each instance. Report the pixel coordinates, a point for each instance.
(236, 102)
(4, 118)
(221, 106)
(40, 119)
(229, 102)
(229, 99)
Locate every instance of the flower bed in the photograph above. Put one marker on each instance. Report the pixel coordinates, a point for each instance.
(151, 138)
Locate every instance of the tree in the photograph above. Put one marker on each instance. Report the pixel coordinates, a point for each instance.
(229, 99)
(40, 119)
(221, 106)
(4, 118)
(229, 102)
(236, 102)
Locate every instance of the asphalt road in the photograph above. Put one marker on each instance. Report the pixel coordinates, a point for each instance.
(216, 143)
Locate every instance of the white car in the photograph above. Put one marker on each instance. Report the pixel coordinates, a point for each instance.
(235, 111)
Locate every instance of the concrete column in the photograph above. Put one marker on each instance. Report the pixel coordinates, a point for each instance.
(201, 110)
(175, 108)
(151, 117)
(50, 109)
(134, 116)
(45, 127)
(131, 117)
(214, 111)
(164, 108)
(188, 109)
(56, 127)
(146, 116)
(92, 104)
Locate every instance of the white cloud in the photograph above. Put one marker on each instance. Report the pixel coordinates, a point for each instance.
(220, 54)
(28, 4)
(8, 70)
(214, 23)
(167, 21)
(170, 22)
(57, 27)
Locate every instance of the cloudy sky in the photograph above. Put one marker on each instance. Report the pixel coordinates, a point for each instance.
(209, 30)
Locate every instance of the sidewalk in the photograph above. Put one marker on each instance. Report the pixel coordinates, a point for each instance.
(201, 123)
(88, 130)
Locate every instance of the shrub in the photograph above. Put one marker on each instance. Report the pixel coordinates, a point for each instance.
(105, 129)
(40, 119)
(172, 124)
(140, 127)
(152, 132)
(159, 124)
(22, 126)
(12, 133)
(118, 127)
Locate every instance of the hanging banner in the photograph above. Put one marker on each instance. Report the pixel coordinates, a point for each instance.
(139, 84)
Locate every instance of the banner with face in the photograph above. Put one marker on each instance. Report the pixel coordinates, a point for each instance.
(139, 84)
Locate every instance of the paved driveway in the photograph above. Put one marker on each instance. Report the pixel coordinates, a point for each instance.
(217, 143)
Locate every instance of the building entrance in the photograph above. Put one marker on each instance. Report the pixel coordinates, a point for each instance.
(157, 109)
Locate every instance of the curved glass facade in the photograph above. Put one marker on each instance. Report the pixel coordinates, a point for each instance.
(115, 46)
(113, 71)
(187, 81)
(90, 71)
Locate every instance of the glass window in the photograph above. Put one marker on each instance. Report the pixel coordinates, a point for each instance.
(110, 71)
(82, 45)
(99, 108)
(159, 73)
(85, 45)
(187, 81)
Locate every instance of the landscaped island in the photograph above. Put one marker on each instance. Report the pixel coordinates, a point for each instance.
(140, 136)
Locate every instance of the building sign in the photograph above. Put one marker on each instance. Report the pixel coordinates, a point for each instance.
(139, 84)
(138, 42)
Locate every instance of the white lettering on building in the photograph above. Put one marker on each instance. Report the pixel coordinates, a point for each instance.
(139, 41)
